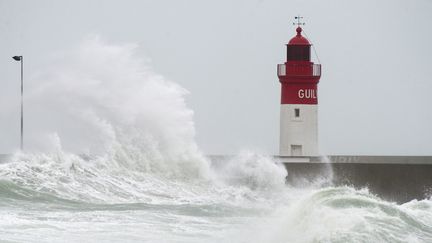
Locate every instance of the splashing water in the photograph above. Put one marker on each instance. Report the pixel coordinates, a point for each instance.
(252, 171)
(102, 99)
(113, 158)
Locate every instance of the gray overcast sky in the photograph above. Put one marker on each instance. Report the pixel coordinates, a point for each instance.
(374, 95)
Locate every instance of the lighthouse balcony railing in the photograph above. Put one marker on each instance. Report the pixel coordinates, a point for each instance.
(299, 70)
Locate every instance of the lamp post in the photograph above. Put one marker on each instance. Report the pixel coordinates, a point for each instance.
(21, 59)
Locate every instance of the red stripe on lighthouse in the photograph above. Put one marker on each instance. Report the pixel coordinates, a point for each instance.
(299, 94)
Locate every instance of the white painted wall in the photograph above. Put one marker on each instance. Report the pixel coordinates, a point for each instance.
(301, 130)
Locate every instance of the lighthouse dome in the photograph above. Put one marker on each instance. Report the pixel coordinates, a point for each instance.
(299, 40)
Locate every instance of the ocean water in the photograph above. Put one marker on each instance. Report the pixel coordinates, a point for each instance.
(118, 162)
(66, 198)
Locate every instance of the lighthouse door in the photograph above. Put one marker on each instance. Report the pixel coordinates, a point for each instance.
(296, 150)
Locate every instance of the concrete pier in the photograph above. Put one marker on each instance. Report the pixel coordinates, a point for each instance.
(394, 178)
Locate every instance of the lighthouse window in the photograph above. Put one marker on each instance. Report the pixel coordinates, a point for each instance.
(297, 112)
(298, 53)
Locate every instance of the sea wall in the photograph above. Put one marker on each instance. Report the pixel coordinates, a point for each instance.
(395, 178)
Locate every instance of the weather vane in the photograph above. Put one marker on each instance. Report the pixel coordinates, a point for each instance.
(298, 18)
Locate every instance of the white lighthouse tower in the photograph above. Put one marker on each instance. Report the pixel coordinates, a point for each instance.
(299, 79)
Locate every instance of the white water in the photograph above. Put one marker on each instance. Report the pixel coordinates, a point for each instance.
(113, 158)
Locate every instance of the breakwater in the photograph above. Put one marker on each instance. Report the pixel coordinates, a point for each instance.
(395, 178)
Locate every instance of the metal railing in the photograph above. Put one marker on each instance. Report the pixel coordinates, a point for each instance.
(281, 69)
(299, 70)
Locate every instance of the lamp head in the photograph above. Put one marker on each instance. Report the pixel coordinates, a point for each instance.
(17, 58)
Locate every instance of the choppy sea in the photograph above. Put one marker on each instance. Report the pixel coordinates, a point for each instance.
(67, 198)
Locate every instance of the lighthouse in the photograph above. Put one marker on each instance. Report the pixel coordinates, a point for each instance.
(299, 78)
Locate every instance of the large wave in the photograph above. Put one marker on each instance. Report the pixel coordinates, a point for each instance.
(101, 99)
(105, 127)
